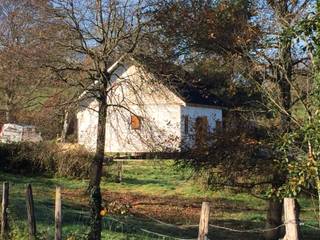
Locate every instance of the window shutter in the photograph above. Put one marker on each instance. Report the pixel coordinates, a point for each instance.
(135, 122)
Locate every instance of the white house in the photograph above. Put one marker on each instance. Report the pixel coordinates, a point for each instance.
(148, 115)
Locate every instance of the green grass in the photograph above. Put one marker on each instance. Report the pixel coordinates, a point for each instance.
(169, 195)
(154, 177)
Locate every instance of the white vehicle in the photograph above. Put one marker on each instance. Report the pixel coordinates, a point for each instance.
(19, 133)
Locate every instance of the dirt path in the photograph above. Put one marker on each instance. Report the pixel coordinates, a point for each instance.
(169, 209)
(173, 209)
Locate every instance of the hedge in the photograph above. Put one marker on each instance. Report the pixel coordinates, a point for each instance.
(49, 158)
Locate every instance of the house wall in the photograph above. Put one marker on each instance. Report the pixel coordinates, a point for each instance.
(193, 112)
(160, 129)
(161, 113)
(132, 94)
(87, 118)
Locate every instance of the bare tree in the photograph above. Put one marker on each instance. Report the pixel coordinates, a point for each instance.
(23, 49)
(101, 34)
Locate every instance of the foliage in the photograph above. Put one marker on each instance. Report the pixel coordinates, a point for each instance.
(46, 158)
(301, 146)
(275, 62)
(218, 26)
(237, 156)
(222, 78)
(24, 50)
(215, 50)
(301, 167)
(48, 117)
(116, 207)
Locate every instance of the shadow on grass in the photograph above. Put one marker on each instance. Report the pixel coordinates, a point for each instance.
(22, 181)
(135, 181)
(75, 217)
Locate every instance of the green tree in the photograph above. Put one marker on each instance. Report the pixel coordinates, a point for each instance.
(301, 147)
(213, 51)
(262, 39)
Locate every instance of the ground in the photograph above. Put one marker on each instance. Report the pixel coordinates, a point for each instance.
(155, 199)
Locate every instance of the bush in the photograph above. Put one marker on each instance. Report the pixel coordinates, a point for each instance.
(49, 158)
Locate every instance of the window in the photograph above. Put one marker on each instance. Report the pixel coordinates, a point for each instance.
(186, 124)
(135, 122)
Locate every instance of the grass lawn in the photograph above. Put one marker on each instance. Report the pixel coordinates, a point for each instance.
(158, 198)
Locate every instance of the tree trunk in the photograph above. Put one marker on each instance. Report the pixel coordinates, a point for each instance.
(95, 174)
(284, 80)
(274, 214)
(65, 126)
(10, 115)
(274, 219)
(10, 107)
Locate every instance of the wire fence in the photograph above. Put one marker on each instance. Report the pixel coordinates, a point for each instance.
(255, 230)
(186, 227)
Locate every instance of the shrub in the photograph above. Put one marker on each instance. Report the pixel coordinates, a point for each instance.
(53, 159)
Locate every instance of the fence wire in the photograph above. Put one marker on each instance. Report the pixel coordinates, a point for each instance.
(166, 236)
(184, 227)
(310, 226)
(151, 232)
(256, 230)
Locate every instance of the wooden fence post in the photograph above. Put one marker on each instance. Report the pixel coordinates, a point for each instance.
(291, 219)
(57, 215)
(30, 213)
(204, 221)
(4, 214)
(119, 170)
